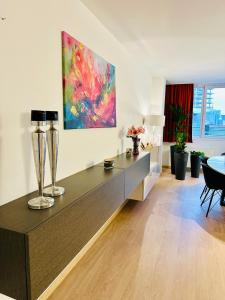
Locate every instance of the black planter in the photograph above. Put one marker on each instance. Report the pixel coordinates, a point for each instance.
(181, 159)
(172, 150)
(195, 165)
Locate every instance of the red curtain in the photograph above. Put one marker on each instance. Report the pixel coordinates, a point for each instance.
(182, 95)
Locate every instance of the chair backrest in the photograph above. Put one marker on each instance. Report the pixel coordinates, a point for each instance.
(213, 179)
(204, 159)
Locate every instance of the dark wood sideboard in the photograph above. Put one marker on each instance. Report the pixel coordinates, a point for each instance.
(35, 246)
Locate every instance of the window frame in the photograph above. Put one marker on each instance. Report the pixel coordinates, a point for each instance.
(202, 135)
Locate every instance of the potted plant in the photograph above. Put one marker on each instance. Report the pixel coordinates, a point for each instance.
(178, 117)
(134, 134)
(196, 157)
(180, 156)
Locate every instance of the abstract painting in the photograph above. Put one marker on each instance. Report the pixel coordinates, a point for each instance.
(89, 93)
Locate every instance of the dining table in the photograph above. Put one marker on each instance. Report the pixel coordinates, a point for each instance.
(217, 163)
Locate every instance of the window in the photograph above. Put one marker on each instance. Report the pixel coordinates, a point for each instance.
(209, 111)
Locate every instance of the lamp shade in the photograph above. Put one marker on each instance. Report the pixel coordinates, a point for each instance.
(38, 115)
(52, 115)
(155, 120)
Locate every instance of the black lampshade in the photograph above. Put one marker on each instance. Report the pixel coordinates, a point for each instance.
(52, 116)
(38, 115)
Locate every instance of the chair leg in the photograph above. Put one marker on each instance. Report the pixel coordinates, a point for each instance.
(205, 196)
(222, 197)
(210, 202)
(203, 191)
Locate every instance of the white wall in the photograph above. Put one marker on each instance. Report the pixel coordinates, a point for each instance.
(157, 100)
(30, 78)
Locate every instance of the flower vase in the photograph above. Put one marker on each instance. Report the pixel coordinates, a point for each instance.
(136, 142)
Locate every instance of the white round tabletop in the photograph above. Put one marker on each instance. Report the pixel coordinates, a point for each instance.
(217, 163)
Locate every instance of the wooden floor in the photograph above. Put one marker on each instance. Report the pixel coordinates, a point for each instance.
(163, 248)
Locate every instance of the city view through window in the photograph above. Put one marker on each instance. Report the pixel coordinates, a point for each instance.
(209, 112)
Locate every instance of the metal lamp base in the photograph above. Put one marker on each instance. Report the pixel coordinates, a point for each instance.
(41, 202)
(54, 191)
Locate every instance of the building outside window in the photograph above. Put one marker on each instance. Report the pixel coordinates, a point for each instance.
(209, 111)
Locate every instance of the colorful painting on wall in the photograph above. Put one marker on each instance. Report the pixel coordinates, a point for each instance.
(88, 87)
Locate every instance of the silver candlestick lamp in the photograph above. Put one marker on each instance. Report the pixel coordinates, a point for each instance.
(53, 145)
(38, 119)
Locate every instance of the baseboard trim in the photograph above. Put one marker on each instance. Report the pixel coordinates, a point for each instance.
(169, 167)
(59, 279)
(188, 168)
(166, 167)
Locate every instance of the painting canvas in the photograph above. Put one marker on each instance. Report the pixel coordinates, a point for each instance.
(88, 87)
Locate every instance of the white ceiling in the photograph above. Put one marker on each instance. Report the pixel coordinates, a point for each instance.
(181, 40)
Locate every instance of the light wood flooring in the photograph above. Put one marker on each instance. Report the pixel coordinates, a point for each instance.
(163, 248)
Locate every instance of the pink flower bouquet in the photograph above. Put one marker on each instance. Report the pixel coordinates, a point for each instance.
(134, 133)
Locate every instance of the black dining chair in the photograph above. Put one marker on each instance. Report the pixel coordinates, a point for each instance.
(223, 193)
(215, 183)
(205, 189)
